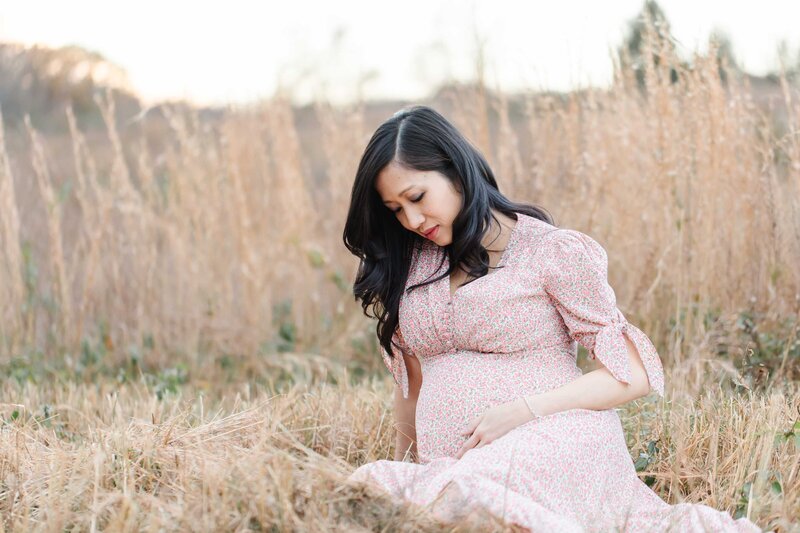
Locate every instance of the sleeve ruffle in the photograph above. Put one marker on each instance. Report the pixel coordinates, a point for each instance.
(576, 278)
(611, 350)
(396, 364)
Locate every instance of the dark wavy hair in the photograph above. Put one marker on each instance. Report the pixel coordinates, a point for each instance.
(418, 138)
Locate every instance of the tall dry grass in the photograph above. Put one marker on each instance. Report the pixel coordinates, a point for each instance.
(162, 280)
(190, 231)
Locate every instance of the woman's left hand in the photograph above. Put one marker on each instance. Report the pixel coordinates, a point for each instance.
(494, 423)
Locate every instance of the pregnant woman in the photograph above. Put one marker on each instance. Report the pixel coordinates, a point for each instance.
(480, 302)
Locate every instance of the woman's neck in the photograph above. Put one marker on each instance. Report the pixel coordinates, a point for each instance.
(496, 236)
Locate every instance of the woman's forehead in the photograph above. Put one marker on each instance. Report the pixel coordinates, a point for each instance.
(394, 180)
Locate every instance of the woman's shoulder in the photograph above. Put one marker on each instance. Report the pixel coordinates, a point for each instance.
(533, 232)
(541, 240)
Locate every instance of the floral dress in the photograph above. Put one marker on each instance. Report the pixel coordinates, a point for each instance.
(510, 333)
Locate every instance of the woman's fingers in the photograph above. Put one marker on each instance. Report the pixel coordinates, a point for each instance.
(468, 445)
(471, 426)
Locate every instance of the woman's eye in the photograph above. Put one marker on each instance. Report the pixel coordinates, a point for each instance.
(415, 200)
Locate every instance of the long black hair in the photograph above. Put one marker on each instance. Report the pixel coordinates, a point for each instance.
(418, 138)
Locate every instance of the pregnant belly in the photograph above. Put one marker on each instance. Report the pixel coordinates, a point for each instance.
(457, 387)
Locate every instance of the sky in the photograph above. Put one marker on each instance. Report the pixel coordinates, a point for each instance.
(239, 51)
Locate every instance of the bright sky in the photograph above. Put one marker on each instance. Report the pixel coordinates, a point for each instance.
(235, 51)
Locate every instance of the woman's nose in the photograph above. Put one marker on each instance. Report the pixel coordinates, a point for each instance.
(415, 219)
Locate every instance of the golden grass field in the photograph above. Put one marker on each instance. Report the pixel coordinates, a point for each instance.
(181, 349)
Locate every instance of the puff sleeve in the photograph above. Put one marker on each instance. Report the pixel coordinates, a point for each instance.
(396, 364)
(576, 280)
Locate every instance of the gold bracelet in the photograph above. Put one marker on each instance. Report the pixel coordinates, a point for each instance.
(525, 399)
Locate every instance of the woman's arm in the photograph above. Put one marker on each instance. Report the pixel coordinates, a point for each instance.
(575, 277)
(596, 390)
(405, 412)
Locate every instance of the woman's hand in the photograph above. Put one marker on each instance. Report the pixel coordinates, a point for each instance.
(494, 423)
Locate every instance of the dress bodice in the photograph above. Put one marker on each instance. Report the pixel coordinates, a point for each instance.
(550, 290)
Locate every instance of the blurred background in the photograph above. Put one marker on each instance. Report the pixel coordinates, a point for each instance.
(174, 176)
(179, 344)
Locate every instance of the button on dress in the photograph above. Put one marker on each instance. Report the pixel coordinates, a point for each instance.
(512, 333)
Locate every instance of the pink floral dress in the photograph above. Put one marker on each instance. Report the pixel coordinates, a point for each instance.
(511, 333)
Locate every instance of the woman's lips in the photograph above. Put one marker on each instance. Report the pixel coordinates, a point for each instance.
(432, 233)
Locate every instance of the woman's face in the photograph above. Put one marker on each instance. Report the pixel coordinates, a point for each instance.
(421, 201)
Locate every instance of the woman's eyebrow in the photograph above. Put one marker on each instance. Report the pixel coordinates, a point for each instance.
(401, 192)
